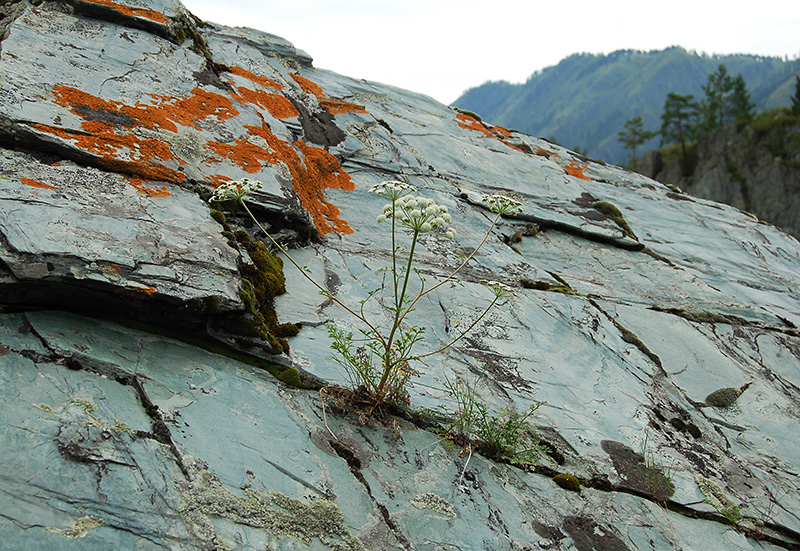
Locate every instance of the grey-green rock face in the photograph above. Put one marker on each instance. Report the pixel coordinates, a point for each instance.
(136, 409)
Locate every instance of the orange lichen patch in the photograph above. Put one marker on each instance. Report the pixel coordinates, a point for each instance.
(542, 152)
(188, 111)
(107, 144)
(136, 288)
(308, 86)
(469, 122)
(576, 170)
(153, 15)
(170, 110)
(334, 106)
(263, 81)
(156, 191)
(322, 171)
(277, 105)
(35, 183)
(499, 133)
(244, 154)
(105, 123)
(116, 268)
(218, 179)
(339, 106)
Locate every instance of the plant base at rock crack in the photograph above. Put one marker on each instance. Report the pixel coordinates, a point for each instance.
(379, 362)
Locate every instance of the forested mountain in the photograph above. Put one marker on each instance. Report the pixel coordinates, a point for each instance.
(584, 100)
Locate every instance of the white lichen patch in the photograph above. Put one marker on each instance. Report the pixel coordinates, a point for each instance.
(278, 514)
(45, 408)
(120, 427)
(80, 527)
(434, 503)
(715, 496)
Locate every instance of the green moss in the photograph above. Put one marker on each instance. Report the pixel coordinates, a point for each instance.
(262, 281)
(470, 114)
(550, 287)
(615, 214)
(218, 216)
(723, 397)
(291, 377)
(568, 482)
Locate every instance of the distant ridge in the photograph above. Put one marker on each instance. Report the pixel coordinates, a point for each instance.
(586, 98)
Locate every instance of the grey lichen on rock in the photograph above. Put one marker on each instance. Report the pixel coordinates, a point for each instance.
(80, 527)
(276, 513)
(434, 503)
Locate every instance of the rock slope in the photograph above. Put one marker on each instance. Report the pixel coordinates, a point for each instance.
(160, 368)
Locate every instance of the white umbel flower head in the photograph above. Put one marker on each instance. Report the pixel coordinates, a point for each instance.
(500, 290)
(392, 189)
(419, 214)
(235, 190)
(502, 204)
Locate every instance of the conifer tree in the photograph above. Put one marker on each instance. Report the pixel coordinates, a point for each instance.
(633, 135)
(796, 98)
(712, 108)
(677, 121)
(741, 108)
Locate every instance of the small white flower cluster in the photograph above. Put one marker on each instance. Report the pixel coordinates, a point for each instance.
(235, 189)
(419, 214)
(502, 204)
(392, 189)
(500, 290)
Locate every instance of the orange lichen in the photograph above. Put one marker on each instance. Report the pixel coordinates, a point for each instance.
(277, 105)
(170, 110)
(107, 144)
(158, 191)
(35, 183)
(105, 124)
(312, 173)
(323, 171)
(542, 152)
(218, 179)
(263, 81)
(116, 268)
(153, 15)
(468, 122)
(308, 86)
(334, 106)
(244, 154)
(576, 170)
(338, 106)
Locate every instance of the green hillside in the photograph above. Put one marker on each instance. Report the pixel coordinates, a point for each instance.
(585, 99)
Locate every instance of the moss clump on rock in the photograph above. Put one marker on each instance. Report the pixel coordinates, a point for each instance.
(568, 482)
(723, 397)
(615, 214)
(291, 377)
(549, 287)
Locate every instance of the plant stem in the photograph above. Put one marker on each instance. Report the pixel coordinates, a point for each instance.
(388, 364)
(452, 275)
(309, 278)
(462, 335)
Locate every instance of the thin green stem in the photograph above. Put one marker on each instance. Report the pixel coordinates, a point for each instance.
(388, 365)
(462, 335)
(452, 275)
(309, 278)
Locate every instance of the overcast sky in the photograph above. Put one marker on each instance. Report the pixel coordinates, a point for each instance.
(443, 47)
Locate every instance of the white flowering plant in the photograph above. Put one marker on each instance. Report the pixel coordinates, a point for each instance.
(379, 362)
